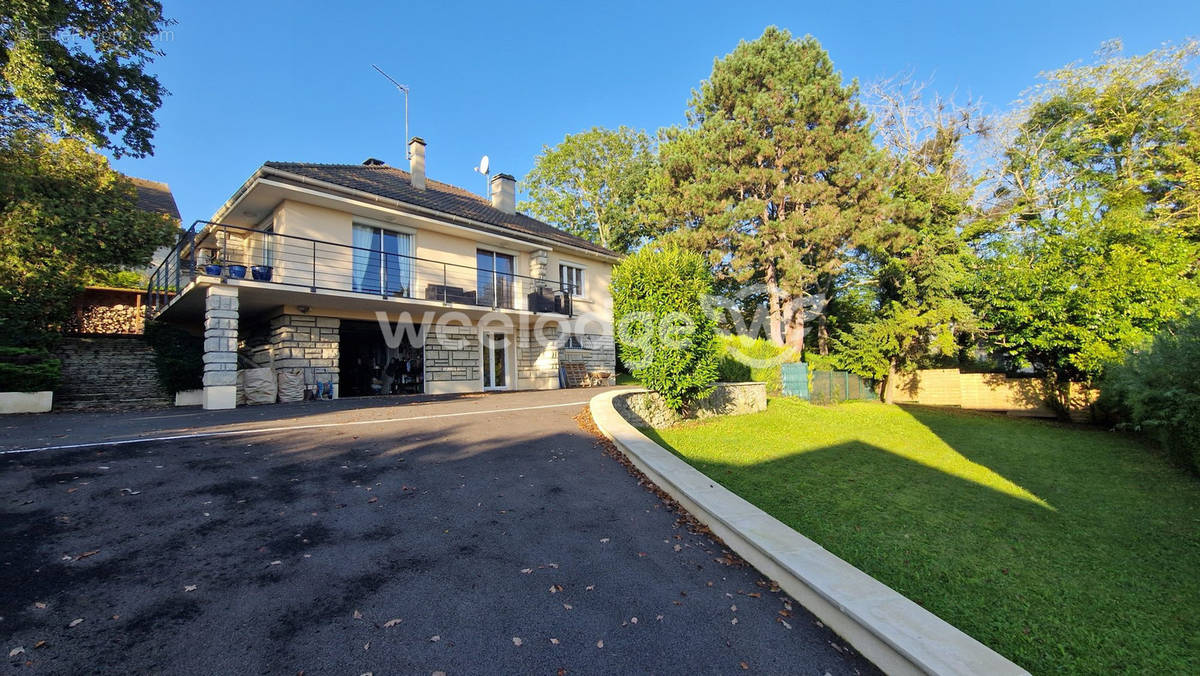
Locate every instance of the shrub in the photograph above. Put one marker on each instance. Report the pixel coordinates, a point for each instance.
(745, 359)
(664, 334)
(1157, 390)
(178, 357)
(28, 370)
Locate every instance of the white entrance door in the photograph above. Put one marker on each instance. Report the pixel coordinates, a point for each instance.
(495, 361)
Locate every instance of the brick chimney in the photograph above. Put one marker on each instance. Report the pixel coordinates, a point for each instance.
(416, 162)
(504, 193)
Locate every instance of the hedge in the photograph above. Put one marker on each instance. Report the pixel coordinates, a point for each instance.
(25, 369)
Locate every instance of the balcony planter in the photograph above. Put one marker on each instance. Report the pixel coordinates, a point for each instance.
(236, 271)
(261, 273)
(213, 269)
(26, 402)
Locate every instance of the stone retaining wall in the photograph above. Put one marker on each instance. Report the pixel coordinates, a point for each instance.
(647, 409)
(108, 372)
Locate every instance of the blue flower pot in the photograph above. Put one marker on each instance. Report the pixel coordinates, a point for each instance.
(212, 269)
(261, 273)
(237, 271)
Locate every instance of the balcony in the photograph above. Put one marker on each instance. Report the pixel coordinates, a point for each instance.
(380, 270)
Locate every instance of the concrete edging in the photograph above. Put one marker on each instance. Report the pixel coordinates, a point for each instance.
(896, 634)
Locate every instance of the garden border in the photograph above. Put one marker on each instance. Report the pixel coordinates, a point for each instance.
(895, 633)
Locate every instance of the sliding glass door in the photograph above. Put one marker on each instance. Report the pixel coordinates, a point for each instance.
(494, 278)
(381, 261)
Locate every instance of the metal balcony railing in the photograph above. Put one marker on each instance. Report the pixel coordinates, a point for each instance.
(235, 252)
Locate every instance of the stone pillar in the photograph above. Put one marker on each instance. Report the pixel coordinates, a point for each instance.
(220, 346)
(539, 262)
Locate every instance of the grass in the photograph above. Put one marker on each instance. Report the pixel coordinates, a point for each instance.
(1064, 548)
(628, 379)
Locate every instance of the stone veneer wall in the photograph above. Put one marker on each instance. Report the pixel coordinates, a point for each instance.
(307, 343)
(452, 359)
(537, 360)
(598, 355)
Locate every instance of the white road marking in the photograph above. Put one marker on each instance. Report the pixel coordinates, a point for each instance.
(265, 430)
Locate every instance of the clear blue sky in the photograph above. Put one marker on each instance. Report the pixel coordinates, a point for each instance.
(292, 81)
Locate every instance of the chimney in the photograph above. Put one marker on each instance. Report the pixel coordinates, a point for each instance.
(504, 193)
(416, 162)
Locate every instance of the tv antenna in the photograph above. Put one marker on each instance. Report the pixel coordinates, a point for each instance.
(403, 90)
(485, 168)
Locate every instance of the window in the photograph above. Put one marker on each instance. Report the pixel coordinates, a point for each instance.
(381, 261)
(494, 278)
(570, 278)
(572, 343)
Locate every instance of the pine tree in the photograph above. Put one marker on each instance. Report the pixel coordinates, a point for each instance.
(775, 176)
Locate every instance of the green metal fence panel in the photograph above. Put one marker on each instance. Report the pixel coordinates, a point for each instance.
(794, 379)
(829, 387)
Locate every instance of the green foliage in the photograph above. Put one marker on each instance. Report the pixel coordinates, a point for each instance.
(117, 279)
(664, 334)
(1084, 256)
(743, 359)
(1157, 390)
(78, 67)
(63, 213)
(775, 175)
(28, 370)
(593, 185)
(916, 258)
(178, 356)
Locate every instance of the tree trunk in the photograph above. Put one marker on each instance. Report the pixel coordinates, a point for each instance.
(795, 331)
(889, 382)
(774, 306)
(822, 336)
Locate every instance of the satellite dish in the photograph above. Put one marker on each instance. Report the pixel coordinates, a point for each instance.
(484, 163)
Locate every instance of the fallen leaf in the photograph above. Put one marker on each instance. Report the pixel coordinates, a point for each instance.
(600, 644)
(15, 651)
(357, 615)
(590, 587)
(553, 641)
(658, 617)
(568, 606)
(527, 570)
(75, 622)
(744, 666)
(555, 588)
(276, 563)
(733, 608)
(677, 548)
(633, 620)
(39, 605)
(517, 641)
(754, 595)
(39, 644)
(435, 639)
(87, 554)
(603, 540)
(190, 588)
(391, 623)
(373, 499)
(367, 646)
(733, 621)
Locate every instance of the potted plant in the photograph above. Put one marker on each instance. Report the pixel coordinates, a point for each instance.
(235, 270)
(261, 273)
(213, 266)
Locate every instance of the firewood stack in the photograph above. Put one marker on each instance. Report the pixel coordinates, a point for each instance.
(108, 319)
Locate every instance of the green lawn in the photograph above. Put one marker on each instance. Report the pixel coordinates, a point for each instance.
(627, 379)
(1064, 548)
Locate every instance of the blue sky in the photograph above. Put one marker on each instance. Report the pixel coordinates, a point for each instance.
(292, 81)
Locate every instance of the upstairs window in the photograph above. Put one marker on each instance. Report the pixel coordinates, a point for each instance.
(571, 279)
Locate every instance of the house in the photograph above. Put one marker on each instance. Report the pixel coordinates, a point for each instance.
(382, 281)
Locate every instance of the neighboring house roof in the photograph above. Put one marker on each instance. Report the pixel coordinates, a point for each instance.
(393, 183)
(155, 197)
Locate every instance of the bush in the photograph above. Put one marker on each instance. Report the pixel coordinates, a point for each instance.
(664, 334)
(744, 359)
(28, 370)
(1157, 390)
(178, 357)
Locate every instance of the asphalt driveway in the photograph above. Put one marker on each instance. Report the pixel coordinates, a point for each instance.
(481, 534)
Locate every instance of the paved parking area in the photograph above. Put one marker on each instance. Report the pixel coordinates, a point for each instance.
(480, 534)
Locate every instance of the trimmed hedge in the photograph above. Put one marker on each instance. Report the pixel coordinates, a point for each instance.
(734, 353)
(1157, 391)
(24, 369)
(664, 334)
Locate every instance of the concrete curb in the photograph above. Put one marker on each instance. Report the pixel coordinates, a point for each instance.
(895, 633)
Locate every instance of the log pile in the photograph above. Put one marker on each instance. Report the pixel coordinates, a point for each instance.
(106, 319)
